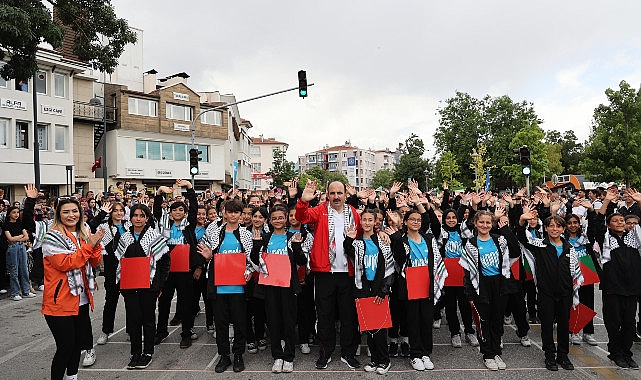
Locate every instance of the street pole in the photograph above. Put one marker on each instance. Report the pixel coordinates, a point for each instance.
(36, 144)
(527, 184)
(104, 139)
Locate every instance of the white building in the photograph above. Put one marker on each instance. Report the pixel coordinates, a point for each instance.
(262, 156)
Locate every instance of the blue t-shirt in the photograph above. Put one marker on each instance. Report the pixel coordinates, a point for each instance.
(175, 235)
(277, 244)
(419, 253)
(559, 249)
(454, 246)
(489, 257)
(533, 233)
(200, 232)
(580, 250)
(293, 230)
(136, 237)
(370, 260)
(121, 229)
(230, 245)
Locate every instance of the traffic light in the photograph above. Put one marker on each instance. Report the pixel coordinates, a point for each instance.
(302, 84)
(526, 163)
(193, 160)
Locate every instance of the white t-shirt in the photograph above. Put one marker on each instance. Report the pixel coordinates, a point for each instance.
(340, 262)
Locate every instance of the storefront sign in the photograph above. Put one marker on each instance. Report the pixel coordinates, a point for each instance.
(163, 173)
(13, 104)
(181, 96)
(181, 127)
(134, 172)
(51, 110)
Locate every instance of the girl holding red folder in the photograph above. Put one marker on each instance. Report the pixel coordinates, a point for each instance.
(373, 277)
(280, 300)
(142, 241)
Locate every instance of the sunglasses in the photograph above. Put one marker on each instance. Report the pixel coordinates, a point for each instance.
(67, 198)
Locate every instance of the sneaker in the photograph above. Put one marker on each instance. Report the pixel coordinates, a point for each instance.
(436, 324)
(575, 339)
(145, 360)
(499, 362)
(16, 298)
(262, 344)
(185, 342)
(175, 321)
(223, 364)
(41, 288)
(252, 348)
(210, 329)
(456, 341)
(525, 341)
(427, 362)
(278, 366)
(160, 336)
(4, 291)
(565, 363)
(193, 335)
(589, 339)
(90, 358)
(239, 364)
(322, 362)
(383, 368)
(471, 340)
(134, 360)
(550, 364)
(490, 364)
(393, 349)
(352, 362)
(29, 295)
(621, 362)
(405, 349)
(288, 367)
(102, 339)
(304, 348)
(370, 367)
(417, 364)
(534, 320)
(632, 364)
(508, 320)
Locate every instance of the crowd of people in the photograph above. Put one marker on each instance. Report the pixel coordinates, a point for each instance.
(281, 268)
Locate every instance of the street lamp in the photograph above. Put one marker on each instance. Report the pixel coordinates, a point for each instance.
(427, 188)
(95, 101)
(476, 171)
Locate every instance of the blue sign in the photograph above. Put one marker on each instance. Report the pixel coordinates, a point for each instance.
(351, 161)
(487, 180)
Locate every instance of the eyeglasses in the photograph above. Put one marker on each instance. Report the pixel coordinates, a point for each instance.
(67, 198)
(414, 220)
(631, 223)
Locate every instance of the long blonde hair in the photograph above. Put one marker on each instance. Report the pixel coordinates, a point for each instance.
(57, 224)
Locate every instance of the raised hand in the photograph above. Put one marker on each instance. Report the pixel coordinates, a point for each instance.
(634, 194)
(384, 238)
(204, 251)
(350, 189)
(364, 194)
(183, 183)
(394, 217)
(292, 189)
(391, 230)
(503, 222)
(499, 210)
(107, 207)
(95, 239)
(165, 190)
(31, 190)
(256, 235)
(297, 238)
(396, 186)
(351, 231)
(310, 191)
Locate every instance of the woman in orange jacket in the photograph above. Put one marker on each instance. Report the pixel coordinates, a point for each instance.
(69, 254)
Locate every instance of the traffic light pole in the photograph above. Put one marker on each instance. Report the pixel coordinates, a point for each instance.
(527, 185)
(193, 123)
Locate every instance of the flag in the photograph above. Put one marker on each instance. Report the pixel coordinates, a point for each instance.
(477, 321)
(515, 267)
(590, 275)
(579, 317)
(487, 180)
(97, 164)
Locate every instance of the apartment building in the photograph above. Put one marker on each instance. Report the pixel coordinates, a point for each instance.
(262, 156)
(386, 159)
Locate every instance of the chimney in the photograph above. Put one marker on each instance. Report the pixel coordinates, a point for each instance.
(261, 138)
(149, 81)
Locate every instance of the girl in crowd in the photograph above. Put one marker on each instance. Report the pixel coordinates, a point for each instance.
(200, 280)
(17, 237)
(374, 274)
(69, 254)
(256, 317)
(141, 240)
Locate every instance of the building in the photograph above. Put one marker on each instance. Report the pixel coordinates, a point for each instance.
(54, 87)
(386, 159)
(358, 165)
(262, 158)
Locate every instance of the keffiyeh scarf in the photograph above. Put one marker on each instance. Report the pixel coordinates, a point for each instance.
(55, 243)
(470, 261)
(349, 220)
(153, 244)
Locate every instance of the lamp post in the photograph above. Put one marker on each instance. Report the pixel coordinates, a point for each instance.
(96, 102)
(427, 173)
(476, 171)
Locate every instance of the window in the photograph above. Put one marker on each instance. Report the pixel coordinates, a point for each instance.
(61, 137)
(143, 107)
(311, 159)
(41, 82)
(180, 152)
(255, 151)
(204, 156)
(344, 163)
(3, 82)
(22, 134)
(167, 151)
(212, 118)
(42, 134)
(141, 149)
(178, 112)
(153, 150)
(4, 128)
(257, 167)
(344, 154)
(59, 83)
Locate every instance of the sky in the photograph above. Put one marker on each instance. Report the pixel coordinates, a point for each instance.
(381, 69)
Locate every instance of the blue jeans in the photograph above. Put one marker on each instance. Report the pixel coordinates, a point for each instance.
(17, 266)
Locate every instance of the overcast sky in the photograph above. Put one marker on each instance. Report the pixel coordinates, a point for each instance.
(381, 68)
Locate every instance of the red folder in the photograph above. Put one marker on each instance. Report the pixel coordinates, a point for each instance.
(455, 272)
(179, 258)
(302, 273)
(229, 269)
(418, 282)
(279, 270)
(516, 270)
(580, 317)
(134, 272)
(372, 316)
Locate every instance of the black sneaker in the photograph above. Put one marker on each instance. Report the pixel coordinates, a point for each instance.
(534, 320)
(134, 360)
(145, 360)
(185, 342)
(223, 364)
(565, 363)
(262, 344)
(252, 348)
(351, 362)
(175, 321)
(405, 349)
(632, 364)
(160, 336)
(322, 362)
(193, 334)
(393, 349)
(621, 362)
(239, 364)
(550, 364)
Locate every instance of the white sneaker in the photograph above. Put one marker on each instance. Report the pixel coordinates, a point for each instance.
(456, 341)
(288, 367)
(589, 339)
(575, 339)
(499, 362)
(304, 349)
(370, 367)
(29, 295)
(3, 291)
(471, 340)
(437, 324)
(508, 320)
(278, 366)
(16, 298)
(427, 363)
(381, 370)
(525, 341)
(41, 288)
(90, 358)
(102, 339)
(491, 364)
(417, 364)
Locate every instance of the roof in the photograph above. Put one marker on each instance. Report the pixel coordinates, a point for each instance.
(267, 140)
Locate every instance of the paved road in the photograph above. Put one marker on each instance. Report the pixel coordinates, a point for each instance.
(27, 348)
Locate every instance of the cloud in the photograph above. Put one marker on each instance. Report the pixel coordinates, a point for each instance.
(572, 77)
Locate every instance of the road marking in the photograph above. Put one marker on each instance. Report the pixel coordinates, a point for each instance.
(211, 363)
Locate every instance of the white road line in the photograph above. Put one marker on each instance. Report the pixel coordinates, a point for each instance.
(211, 363)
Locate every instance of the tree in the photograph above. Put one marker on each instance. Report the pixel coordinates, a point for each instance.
(382, 178)
(571, 150)
(411, 163)
(26, 24)
(612, 153)
(532, 136)
(479, 164)
(447, 169)
(323, 177)
(282, 170)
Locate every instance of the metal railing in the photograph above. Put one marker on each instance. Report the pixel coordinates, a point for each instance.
(91, 112)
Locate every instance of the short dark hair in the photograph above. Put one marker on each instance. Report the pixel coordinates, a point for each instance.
(233, 205)
(557, 219)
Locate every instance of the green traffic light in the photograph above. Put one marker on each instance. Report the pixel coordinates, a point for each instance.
(302, 93)
(526, 170)
(194, 170)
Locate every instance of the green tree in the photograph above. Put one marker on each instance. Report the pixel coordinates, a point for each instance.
(554, 159)
(447, 169)
(571, 150)
(323, 177)
(613, 150)
(411, 163)
(533, 137)
(25, 24)
(282, 170)
(382, 178)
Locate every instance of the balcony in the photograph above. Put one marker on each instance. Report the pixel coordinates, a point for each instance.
(93, 113)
